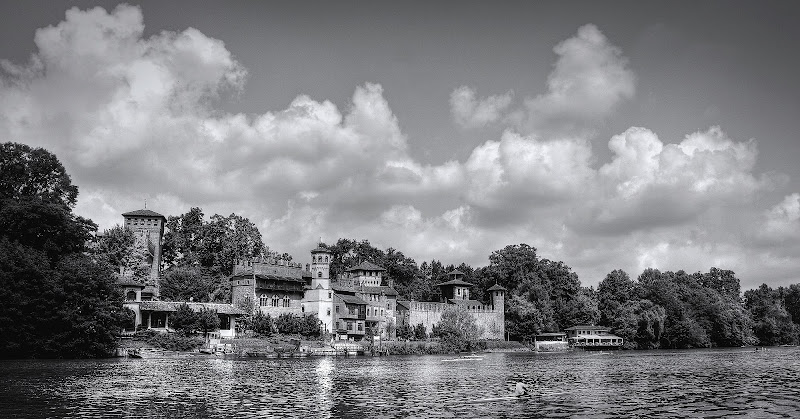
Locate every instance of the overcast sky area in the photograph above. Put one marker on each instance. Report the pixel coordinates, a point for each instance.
(605, 134)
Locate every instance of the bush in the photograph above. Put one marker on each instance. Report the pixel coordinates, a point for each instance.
(262, 324)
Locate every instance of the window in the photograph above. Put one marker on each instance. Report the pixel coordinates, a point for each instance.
(337, 309)
(286, 301)
(349, 325)
(360, 327)
(130, 296)
(330, 295)
(329, 312)
(319, 274)
(303, 309)
(458, 290)
(274, 300)
(326, 259)
(337, 325)
(263, 300)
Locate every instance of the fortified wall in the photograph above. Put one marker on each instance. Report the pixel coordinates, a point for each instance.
(489, 320)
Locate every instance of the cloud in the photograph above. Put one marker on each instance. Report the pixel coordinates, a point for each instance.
(468, 112)
(133, 119)
(590, 79)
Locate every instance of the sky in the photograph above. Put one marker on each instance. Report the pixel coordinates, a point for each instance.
(608, 135)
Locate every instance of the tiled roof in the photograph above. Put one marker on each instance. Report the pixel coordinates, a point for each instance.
(405, 304)
(454, 282)
(268, 277)
(341, 288)
(351, 299)
(366, 266)
(173, 306)
(128, 282)
(143, 213)
(585, 327)
(497, 287)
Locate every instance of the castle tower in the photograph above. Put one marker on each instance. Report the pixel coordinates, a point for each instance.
(320, 267)
(498, 294)
(319, 298)
(148, 227)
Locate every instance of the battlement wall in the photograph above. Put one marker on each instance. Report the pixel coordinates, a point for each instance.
(438, 307)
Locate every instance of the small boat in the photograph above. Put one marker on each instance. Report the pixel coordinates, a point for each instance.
(134, 353)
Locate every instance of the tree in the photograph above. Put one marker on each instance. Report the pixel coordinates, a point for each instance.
(613, 293)
(457, 329)
(54, 300)
(184, 320)
(420, 332)
(207, 321)
(262, 324)
(186, 284)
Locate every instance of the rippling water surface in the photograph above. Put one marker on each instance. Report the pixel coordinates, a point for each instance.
(699, 383)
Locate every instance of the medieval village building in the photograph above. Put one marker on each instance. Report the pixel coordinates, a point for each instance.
(360, 302)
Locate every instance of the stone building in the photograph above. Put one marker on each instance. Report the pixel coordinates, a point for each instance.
(272, 286)
(490, 318)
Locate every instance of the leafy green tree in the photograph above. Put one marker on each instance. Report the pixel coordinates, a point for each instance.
(54, 300)
(773, 324)
(420, 332)
(207, 321)
(186, 284)
(613, 293)
(405, 332)
(262, 324)
(457, 329)
(184, 320)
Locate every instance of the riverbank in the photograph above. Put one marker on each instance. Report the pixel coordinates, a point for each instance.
(293, 346)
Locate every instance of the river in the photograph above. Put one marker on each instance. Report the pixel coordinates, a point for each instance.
(654, 384)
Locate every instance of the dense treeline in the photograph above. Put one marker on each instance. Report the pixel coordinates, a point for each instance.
(57, 299)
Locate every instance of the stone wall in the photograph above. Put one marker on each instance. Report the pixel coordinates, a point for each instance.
(491, 321)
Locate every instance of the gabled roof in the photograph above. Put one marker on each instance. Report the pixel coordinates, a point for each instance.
(366, 266)
(454, 282)
(128, 282)
(497, 287)
(173, 306)
(143, 213)
(405, 304)
(267, 277)
(351, 299)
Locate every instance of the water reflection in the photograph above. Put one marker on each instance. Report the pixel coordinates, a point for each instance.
(708, 383)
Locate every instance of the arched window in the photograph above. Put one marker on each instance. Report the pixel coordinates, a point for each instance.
(326, 259)
(274, 300)
(286, 301)
(263, 300)
(131, 296)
